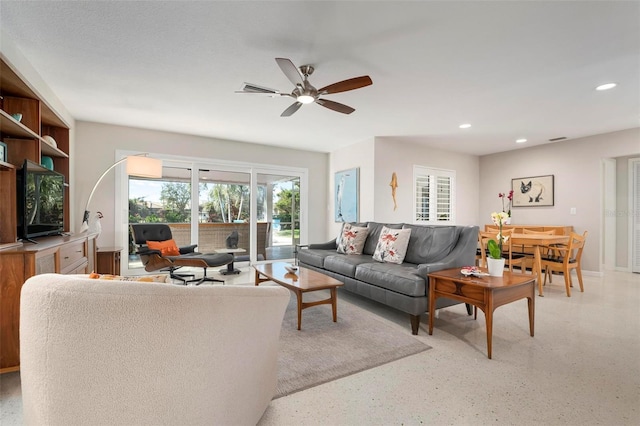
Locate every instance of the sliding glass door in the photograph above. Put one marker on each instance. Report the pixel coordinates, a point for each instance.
(164, 200)
(224, 211)
(281, 214)
(204, 202)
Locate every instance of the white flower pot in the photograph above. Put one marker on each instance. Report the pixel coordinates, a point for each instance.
(507, 221)
(496, 267)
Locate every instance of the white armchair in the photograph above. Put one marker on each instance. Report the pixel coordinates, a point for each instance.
(113, 352)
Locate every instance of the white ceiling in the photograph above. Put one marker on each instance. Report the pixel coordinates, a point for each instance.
(511, 69)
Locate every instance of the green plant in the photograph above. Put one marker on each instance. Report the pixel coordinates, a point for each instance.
(494, 249)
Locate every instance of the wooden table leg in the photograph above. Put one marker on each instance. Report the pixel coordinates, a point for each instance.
(299, 297)
(334, 305)
(432, 302)
(488, 314)
(532, 309)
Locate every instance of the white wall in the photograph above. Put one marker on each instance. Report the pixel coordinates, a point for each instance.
(362, 155)
(95, 152)
(576, 165)
(378, 158)
(400, 157)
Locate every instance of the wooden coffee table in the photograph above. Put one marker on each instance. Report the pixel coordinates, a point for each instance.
(302, 281)
(484, 292)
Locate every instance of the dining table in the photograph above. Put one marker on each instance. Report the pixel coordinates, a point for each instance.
(536, 241)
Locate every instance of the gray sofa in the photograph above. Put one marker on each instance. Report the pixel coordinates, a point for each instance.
(404, 286)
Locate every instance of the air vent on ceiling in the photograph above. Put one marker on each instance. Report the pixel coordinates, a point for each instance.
(254, 88)
(558, 139)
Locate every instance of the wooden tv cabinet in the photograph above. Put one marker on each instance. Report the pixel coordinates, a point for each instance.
(61, 254)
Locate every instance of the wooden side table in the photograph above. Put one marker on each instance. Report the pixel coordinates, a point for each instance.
(484, 292)
(108, 260)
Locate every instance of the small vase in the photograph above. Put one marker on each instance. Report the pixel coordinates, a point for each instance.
(496, 267)
(507, 221)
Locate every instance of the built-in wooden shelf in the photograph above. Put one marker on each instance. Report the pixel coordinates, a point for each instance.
(11, 126)
(9, 246)
(58, 254)
(6, 166)
(52, 151)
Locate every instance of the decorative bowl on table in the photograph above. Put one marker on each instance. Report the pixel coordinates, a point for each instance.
(472, 270)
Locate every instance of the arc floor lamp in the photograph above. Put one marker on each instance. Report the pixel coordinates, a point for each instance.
(140, 165)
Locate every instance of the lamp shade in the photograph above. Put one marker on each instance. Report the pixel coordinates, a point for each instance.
(144, 166)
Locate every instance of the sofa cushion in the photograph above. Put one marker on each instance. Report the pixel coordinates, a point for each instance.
(398, 278)
(314, 257)
(353, 238)
(430, 244)
(392, 245)
(374, 234)
(345, 265)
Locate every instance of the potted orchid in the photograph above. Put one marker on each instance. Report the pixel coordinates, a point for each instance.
(495, 262)
(506, 209)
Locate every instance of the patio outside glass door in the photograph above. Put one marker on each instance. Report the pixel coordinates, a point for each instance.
(224, 210)
(281, 213)
(164, 200)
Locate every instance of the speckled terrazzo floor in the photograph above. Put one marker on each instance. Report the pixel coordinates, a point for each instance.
(581, 368)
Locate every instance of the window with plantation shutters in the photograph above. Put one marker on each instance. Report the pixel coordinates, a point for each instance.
(434, 195)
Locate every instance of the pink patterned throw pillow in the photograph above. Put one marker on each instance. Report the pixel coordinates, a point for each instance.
(352, 240)
(392, 245)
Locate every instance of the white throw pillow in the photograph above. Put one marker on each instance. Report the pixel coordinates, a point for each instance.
(392, 245)
(352, 239)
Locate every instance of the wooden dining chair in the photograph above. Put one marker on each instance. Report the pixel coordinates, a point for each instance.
(527, 250)
(480, 259)
(565, 257)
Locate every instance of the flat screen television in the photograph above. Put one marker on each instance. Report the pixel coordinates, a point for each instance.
(40, 203)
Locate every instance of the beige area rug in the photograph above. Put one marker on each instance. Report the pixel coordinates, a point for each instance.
(324, 351)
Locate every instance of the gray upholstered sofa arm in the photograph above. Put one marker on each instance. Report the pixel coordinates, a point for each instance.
(464, 253)
(330, 245)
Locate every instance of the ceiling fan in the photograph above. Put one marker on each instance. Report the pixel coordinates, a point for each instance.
(304, 92)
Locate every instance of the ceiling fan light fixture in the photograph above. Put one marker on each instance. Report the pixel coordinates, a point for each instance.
(305, 99)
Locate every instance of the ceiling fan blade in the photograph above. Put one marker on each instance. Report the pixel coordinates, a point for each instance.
(291, 71)
(335, 106)
(345, 85)
(254, 89)
(293, 108)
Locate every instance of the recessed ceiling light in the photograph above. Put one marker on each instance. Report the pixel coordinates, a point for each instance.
(465, 126)
(606, 86)
(521, 140)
